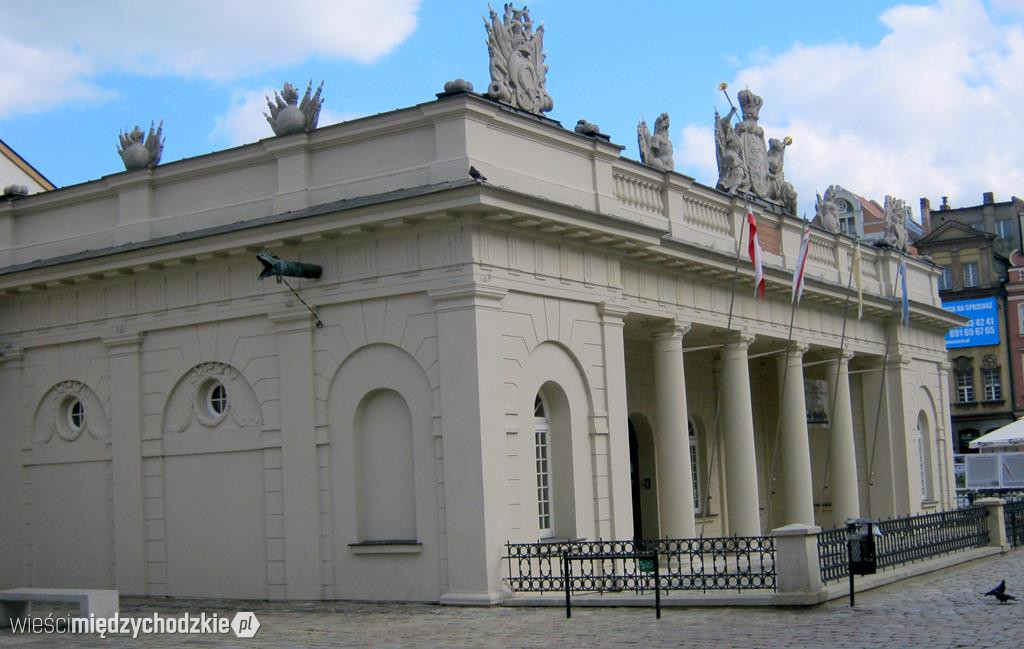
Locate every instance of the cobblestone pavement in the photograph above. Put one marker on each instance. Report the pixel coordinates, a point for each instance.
(943, 609)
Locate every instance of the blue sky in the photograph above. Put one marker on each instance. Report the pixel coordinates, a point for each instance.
(913, 99)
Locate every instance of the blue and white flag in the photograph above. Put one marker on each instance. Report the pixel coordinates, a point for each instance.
(905, 319)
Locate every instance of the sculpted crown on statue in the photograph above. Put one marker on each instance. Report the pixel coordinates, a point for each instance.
(745, 162)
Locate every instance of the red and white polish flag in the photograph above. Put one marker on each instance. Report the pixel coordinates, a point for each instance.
(754, 248)
(801, 264)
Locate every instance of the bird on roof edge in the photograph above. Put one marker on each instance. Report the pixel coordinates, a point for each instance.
(475, 174)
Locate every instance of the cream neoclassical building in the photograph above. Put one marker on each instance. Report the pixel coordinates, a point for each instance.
(537, 355)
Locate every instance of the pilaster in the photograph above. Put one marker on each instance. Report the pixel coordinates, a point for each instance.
(612, 326)
(469, 340)
(126, 456)
(298, 453)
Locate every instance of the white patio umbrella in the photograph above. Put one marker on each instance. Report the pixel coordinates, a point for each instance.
(1009, 435)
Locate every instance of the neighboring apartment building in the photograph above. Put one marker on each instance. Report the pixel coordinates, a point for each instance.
(971, 284)
(1000, 219)
(15, 170)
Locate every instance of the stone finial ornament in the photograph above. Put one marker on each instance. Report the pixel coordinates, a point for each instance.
(288, 116)
(583, 127)
(895, 223)
(656, 150)
(518, 71)
(138, 154)
(827, 210)
(457, 85)
(744, 162)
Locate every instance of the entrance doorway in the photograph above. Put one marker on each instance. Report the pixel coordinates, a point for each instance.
(643, 478)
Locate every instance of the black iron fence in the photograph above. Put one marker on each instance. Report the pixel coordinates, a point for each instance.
(1013, 518)
(909, 539)
(725, 563)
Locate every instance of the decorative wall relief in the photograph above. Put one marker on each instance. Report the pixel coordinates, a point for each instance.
(68, 409)
(210, 395)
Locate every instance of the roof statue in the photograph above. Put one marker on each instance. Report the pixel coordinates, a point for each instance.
(517, 57)
(655, 150)
(827, 210)
(288, 116)
(895, 223)
(138, 154)
(583, 127)
(745, 163)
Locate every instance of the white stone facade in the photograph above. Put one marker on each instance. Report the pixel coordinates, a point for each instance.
(392, 453)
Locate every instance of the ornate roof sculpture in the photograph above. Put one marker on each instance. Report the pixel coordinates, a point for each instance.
(518, 71)
(655, 150)
(138, 154)
(895, 223)
(288, 116)
(744, 162)
(827, 210)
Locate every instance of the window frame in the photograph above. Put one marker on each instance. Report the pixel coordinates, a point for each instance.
(973, 267)
(542, 468)
(965, 387)
(992, 381)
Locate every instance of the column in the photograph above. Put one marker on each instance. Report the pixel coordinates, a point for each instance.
(797, 489)
(469, 339)
(737, 417)
(126, 463)
(618, 420)
(298, 454)
(842, 453)
(675, 486)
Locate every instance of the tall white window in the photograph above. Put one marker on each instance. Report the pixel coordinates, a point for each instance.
(542, 451)
(991, 382)
(1004, 228)
(970, 274)
(945, 279)
(695, 468)
(964, 385)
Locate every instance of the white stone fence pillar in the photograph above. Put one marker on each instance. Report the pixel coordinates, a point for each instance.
(797, 572)
(996, 522)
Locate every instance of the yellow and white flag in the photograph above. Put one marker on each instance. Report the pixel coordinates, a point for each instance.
(856, 273)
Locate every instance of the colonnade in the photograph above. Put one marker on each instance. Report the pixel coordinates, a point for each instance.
(736, 424)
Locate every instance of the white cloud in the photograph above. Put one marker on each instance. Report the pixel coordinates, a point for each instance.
(221, 40)
(929, 110)
(37, 78)
(244, 121)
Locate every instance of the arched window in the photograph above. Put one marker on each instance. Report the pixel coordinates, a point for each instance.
(695, 468)
(542, 454)
(924, 455)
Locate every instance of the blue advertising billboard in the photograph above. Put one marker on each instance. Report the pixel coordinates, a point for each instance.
(983, 328)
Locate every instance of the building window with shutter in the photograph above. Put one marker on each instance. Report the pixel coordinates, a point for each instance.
(970, 274)
(964, 374)
(990, 379)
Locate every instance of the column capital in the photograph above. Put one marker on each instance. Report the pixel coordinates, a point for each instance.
(796, 348)
(12, 355)
(124, 343)
(739, 339)
(468, 295)
(845, 356)
(672, 329)
(610, 311)
(292, 319)
(945, 366)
